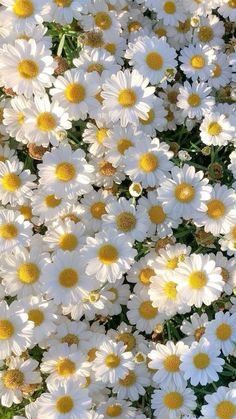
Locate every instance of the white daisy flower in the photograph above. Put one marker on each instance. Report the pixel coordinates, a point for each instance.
(227, 10)
(228, 271)
(195, 99)
(93, 207)
(171, 11)
(97, 60)
(216, 129)
(168, 259)
(65, 235)
(221, 73)
(14, 118)
(197, 61)
(133, 385)
(195, 328)
(210, 32)
(141, 273)
(221, 332)
(121, 409)
(47, 206)
(14, 231)
(96, 136)
(156, 118)
(71, 333)
(173, 403)
(64, 11)
(6, 153)
(120, 293)
(219, 404)
(24, 13)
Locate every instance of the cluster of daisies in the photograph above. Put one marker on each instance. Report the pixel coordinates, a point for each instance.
(118, 209)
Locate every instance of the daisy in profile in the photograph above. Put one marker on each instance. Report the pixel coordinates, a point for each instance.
(75, 91)
(93, 207)
(199, 280)
(221, 332)
(220, 403)
(127, 97)
(152, 57)
(65, 173)
(16, 331)
(65, 235)
(27, 67)
(197, 61)
(134, 384)
(148, 161)
(14, 231)
(184, 193)
(201, 363)
(18, 375)
(216, 129)
(172, 402)
(195, 99)
(14, 117)
(108, 255)
(112, 362)
(195, 328)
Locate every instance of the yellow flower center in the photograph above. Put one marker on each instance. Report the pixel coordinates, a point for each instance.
(214, 128)
(217, 71)
(172, 263)
(232, 4)
(197, 280)
(197, 62)
(170, 290)
(147, 311)
(70, 339)
(184, 192)
(134, 26)
(68, 278)
(201, 360)
(154, 61)
(6, 329)
(128, 339)
(8, 231)
(173, 400)
(99, 68)
(199, 332)
(127, 98)
(194, 100)
(46, 121)
(116, 295)
(51, 201)
(36, 316)
(20, 118)
(148, 162)
(150, 119)
(11, 182)
(225, 274)
(28, 273)
(103, 20)
(126, 222)
(75, 92)
(169, 7)
(172, 363)
(65, 171)
(129, 379)
(26, 212)
(94, 296)
(224, 331)
(23, 8)
(145, 274)
(98, 209)
(108, 254)
(63, 3)
(106, 168)
(215, 209)
(28, 69)
(112, 361)
(110, 47)
(123, 145)
(64, 404)
(114, 410)
(92, 354)
(68, 241)
(101, 134)
(183, 27)
(13, 379)
(65, 367)
(160, 32)
(225, 410)
(156, 214)
(205, 34)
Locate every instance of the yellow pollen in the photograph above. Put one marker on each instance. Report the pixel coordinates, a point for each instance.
(98, 209)
(150, 119)
(51, 201)
(127, 98)
(23, 8)
(36, 316)
(194, 100)
(65, 367)
(65, 171)
(205, 34)
(225, 274)
(70, 339)
(11, 182)
(106, 168)
(64, 404)
(13, 379)
(134, 26)
(128, 339)
(20, 118)
(156, 214)
(169, 7)
(99, 68)
(94, 296)
(75, 92)
(170, 290)
(108, 254)
(71, 217)
(173, 400)
(184, 192)
(225, 410)
(197, 280)
(147, 311)
(26, 212)
(8, 231)
(172, 363)
(114, 410)
(126, 222)
(215, 209)
(129, 379)
(160, 32)
(112, 361)
(111, 48)
(148, 162)
(172, 263)
(6, 329)
(123, 145)
(154, 61)
(214, 128)
(63, 3)
(217, 71)
(28, 69)
(103, 20)
(224, 331)
(232, 4)
(101, 134)
(28, 273)
(145, 274)
(92, 354)
(197, 62)
(199, 333)
(201, 360)
(68, 278)
(68, 242)
(46, 121)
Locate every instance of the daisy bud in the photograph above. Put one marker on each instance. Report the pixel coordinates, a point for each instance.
(206, 151)
(61, 136)
(184, 155)
(174, 147)
(215, 171)
(135, 189)
(140, 357)
(195, 21)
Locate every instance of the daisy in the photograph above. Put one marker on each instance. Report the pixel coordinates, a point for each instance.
(133, 385)
(228, 271)
(14, 118)
(64, 11)
(199, 280)
(127, 97)
(210, 32)
(197, 61)
(93, 207)
(96, 136)
(195, 99)
(168, 259)
(75, 91)
(173, 403)
(121, 409)
(14, 231)
(65, 235)
(148, 161)
(219, 404)
(112, 362)
(171, 11)
(184, 193)
(72, 333)
(27, 67)
(120, 293)
(15, 330)
(24, 13)
(227, 9)
(179, 35)
(97, 60)
(65, 173)
(141, 273)
(108, 255)
(201, 364)
(221, 332)
(6, 153)
(221, 73)
(151, 57)
(124, 333)
(36, 32)
(156, 118)
(216, 129)
(195, 328)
